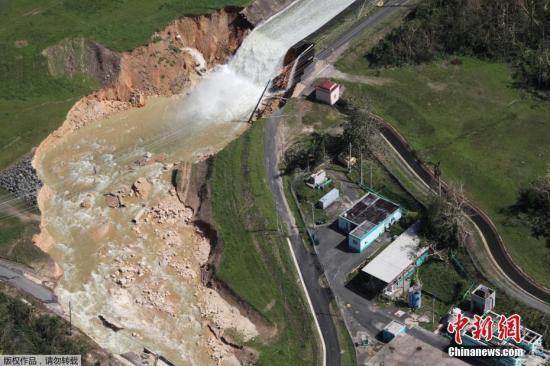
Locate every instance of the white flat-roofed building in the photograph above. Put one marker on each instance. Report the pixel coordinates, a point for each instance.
(398, 261)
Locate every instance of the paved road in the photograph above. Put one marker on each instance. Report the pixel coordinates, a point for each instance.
(309, 266)
(493, 239)
(12, 274)
(390, 8)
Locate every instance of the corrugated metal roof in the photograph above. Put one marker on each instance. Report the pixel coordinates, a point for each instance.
(371, 208)
(400, 254)
(362, 229)
(327, 85)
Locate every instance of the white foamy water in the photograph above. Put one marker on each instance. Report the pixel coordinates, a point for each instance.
(98, 159)
(232, 90)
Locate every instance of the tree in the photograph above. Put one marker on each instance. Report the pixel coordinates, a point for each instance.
(362, 131)
(444, 221)
(514, 31)
(533, 204)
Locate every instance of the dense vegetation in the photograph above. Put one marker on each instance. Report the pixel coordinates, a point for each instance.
(26, 331)
(256, 261)
(514, 31)
(533, 205)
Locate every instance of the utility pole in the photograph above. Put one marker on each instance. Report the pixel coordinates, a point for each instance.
(361, 162)
(313, 213)
(433, 310)
(361, 10)
(349, 159)
(70, 319)
(370, 168)
(277, 214)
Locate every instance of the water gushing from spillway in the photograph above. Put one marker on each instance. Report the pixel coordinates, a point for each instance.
(109, 265)
(232, 90)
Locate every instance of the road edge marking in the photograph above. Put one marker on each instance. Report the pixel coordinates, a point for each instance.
(323, 346)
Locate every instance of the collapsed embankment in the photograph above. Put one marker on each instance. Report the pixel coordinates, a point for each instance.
(145, 258)
(171, 64)
(199, 199)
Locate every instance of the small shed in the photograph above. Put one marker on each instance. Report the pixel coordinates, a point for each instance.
(317, 179)
(329, 198)
(327, 92)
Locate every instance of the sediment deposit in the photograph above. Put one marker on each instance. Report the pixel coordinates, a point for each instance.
(116, 226)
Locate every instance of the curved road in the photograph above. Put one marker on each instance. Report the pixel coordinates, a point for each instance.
(484, 224)
(309, 264)
(486, 227)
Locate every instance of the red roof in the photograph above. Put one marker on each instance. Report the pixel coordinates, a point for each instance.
(327, 85)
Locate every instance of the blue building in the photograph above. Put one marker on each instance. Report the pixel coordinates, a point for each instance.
(367, 220)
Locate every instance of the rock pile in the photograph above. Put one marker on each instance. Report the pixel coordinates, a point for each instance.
(169, 254)
(142, 187)
(115, 199)
(21, 180)
(156, 298)
(170, 211)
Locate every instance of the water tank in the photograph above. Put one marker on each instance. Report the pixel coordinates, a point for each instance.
(415, 297)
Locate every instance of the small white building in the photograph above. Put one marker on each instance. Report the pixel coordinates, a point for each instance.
(317, 179)
(327, 92)
(329, 198)
(482, 299)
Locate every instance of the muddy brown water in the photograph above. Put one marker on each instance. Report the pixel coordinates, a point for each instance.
(91, 243)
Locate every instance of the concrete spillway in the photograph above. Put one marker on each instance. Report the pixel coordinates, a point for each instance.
(109, 266)
(231, 91)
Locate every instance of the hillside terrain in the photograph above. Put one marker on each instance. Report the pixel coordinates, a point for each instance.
(480, 116)
(34, 95)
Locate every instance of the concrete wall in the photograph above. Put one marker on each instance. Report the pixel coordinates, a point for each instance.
(360, 244)
(345, 225)
(261, 10)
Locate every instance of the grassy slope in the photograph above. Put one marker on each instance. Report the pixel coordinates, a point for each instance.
(486, 134)
(32, 103)
(16, 235)
(256, 261)
(25, 330)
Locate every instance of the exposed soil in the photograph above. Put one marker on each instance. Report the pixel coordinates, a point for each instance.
(199, 198)
(84, 56)
(172, 63)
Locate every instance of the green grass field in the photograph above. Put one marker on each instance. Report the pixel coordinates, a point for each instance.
(33, 103)
(16, 234)
(256, 261)
(27, 328)
(487, 134)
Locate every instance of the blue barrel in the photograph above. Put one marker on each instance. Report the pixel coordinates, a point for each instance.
(415, 298)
